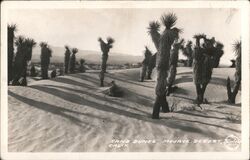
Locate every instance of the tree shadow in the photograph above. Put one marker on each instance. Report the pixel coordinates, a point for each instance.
(134, 97)
(99, 97)
(48, 108)
(86, 77)
(214, 80)
(181, 91)
(72, 82)
(198, 115)
(57, 110)
(216, 111)
(76, 99)
(186, 98)
(208, 124)
(109, 75)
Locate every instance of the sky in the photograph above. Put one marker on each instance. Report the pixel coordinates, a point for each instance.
(81, 27)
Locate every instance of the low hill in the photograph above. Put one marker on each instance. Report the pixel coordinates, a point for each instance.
(89, 56)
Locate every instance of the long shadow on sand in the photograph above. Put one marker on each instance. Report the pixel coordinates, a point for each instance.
(209, 124)
(109, 75)
(134, 97)
(199, 115)
(73, 82)
(179, 124)
(97, 97)
(56, 110)
(214, 80)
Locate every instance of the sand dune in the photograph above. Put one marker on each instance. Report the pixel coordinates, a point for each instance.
(71, 114)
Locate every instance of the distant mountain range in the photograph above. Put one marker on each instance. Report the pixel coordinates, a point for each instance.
(89, 56)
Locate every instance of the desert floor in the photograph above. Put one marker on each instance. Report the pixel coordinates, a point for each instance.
(72, 114)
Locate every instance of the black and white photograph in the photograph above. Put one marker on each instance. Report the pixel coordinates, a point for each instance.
(103, 78)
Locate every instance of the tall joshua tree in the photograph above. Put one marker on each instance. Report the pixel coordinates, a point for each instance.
(162, 64)
(66, 59)
(173, 65)
(231, 93)
(218, 54)
(19, 61)
(30, 43)
(11, 36)
(72, 62)
(203, 65)
(188, 52)
(153, 31)
(105, 47)
(145, 63)
(46, 53)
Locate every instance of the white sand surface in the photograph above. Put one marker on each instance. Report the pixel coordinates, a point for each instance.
(71, 114)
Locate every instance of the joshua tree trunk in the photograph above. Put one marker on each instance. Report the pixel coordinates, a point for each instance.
(73, 60)
(232, 93)
(104, 62)
(145, 62)
(143, 72)
(151, 65)
(11, 30)
(33, 71)
(18, 68)
(103, 68)
(66, 59)
(171, 79)
(160, 91)
(173, 65)
(72, 63)
(190, 61)
(45, 59)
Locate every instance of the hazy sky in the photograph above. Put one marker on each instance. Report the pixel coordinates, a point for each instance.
(81, 27)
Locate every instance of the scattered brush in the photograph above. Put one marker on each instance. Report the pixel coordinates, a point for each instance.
(173, 107)
(234, 118)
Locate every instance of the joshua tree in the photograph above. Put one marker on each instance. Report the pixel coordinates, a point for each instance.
(145, 62)
(11, 36)
(232, 93)
(53, 74)
(66, 59)
(23, 56)
(33, 71)
(173, 65)
(82, 68)
(188, 52)
(233, 63)
(19, 61)
(162, 64)
(46, 53)
(72, 62)
(30, 43)
(153, 30)
(203, 65)
(218, 54)
(105, 47)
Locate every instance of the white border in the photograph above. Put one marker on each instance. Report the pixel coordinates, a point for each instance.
(243, 5)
